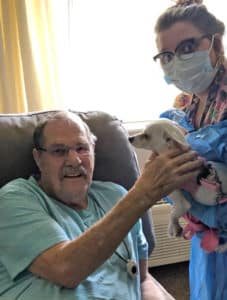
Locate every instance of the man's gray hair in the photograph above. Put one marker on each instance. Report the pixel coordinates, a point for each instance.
(62, 115)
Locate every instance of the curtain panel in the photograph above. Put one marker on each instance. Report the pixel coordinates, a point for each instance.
(31, 45)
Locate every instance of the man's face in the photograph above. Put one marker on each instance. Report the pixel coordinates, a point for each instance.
(66, 176)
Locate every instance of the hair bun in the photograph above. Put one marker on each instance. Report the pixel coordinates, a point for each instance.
(187, 2)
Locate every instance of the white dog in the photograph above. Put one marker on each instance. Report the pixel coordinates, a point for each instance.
(206, 188)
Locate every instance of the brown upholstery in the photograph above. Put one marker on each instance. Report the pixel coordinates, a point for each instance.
(115, 158)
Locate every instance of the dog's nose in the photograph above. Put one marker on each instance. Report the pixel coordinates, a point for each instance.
(131, 139)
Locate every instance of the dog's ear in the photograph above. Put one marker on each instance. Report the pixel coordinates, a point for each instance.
(173, 134)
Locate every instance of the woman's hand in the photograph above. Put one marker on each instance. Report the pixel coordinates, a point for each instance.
(166, 172)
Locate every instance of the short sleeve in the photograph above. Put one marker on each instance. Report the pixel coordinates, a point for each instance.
(109, 194)
(137, 231)
(26, 229)
(141, 242)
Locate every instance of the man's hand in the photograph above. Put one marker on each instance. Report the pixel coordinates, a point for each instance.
(166, 172)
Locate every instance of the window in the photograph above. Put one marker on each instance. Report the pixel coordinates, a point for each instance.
(111, 65)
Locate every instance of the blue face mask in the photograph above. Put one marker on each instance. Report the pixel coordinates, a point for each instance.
(193, 73)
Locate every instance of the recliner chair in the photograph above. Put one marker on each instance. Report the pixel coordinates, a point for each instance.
(115, 158)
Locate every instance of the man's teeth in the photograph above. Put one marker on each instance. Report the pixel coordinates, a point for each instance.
(73, 175)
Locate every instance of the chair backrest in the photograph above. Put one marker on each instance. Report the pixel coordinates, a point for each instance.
(115, 158)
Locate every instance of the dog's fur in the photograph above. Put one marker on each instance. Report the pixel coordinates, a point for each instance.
(158, 136)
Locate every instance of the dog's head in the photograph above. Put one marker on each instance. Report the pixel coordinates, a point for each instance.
(159, 135)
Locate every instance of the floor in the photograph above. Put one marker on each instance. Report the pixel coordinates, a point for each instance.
(174, 278)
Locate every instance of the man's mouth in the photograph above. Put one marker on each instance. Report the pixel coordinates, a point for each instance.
(74, 172)
(72, 176)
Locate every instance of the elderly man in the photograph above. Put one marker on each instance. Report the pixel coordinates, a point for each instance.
(64, 236)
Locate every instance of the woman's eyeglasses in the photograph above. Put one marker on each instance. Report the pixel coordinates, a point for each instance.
(184, 49)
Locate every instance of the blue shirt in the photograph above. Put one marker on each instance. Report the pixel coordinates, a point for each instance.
(31, 222)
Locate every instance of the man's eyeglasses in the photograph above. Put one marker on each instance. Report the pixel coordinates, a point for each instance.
(63, 150)
(184, 49)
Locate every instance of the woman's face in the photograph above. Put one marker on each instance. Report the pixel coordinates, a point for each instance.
(187, 57)
(170, 39)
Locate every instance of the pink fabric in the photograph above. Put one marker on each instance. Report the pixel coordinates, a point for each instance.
(209, 240)
(223, 200)
(210, 185)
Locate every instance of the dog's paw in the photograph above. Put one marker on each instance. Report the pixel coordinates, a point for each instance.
(175, 230)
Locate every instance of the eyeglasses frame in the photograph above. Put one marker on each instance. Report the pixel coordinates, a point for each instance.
(68, 148)
(198, 40)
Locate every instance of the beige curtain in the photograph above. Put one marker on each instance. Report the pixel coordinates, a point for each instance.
(32, 69)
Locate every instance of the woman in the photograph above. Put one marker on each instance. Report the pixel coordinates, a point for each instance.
(191, 54)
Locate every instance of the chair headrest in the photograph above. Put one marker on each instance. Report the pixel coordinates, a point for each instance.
(115, 158)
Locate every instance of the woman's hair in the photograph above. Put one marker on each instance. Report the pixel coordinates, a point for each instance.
(190, 11)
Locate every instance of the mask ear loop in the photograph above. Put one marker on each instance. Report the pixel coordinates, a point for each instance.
(212, 42)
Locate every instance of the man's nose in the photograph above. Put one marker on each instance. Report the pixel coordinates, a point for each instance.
(73, 155)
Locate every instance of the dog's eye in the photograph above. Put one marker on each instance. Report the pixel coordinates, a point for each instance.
(145, 136)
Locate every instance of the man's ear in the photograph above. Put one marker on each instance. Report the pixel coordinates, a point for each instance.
(36, 156)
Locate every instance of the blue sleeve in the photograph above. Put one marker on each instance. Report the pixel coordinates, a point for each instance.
(26, 229)
(178, 116)
(210, 141)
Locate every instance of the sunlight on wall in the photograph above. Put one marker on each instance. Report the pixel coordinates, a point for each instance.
(111, 68)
